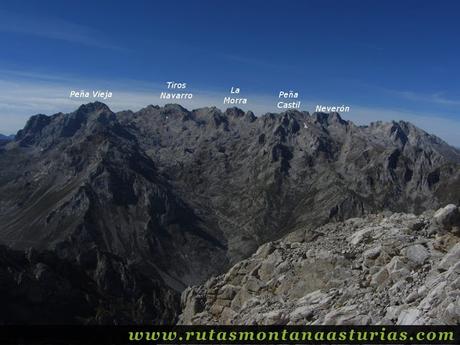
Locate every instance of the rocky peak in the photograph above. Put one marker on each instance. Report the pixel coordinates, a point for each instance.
(91, 115)
(175, 108)
(93, 107)
(397, 133)
(250, 117)
(88, 119)
(234, 112)
(32, 130)
(327, 119)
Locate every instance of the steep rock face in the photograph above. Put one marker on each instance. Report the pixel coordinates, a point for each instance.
(383, 269)
(258, 178)
(81, 181)
(79, 184)
(39, 287)
(184, 194)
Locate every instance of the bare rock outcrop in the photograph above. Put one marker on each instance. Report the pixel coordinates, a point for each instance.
(382, 269)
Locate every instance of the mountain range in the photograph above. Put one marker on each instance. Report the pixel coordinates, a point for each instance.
(125, 210)
(4, 138)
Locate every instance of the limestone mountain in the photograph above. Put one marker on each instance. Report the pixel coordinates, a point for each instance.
(182, 195)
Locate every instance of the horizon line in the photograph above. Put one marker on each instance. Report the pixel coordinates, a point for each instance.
(246, 112)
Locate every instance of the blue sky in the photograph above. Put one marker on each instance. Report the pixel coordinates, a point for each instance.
(385, 59)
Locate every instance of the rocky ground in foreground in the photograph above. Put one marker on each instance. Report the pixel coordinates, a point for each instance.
(382, 269)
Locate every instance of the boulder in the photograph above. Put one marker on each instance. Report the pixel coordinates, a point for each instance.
(408, 317)
(416, 253)
(447, 217)
(360, 235)
(348, 315)
(396, 269)
(380, 277)
(372, 253)
(450, 259)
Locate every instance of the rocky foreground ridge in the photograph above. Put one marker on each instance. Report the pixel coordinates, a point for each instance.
(382, 269)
